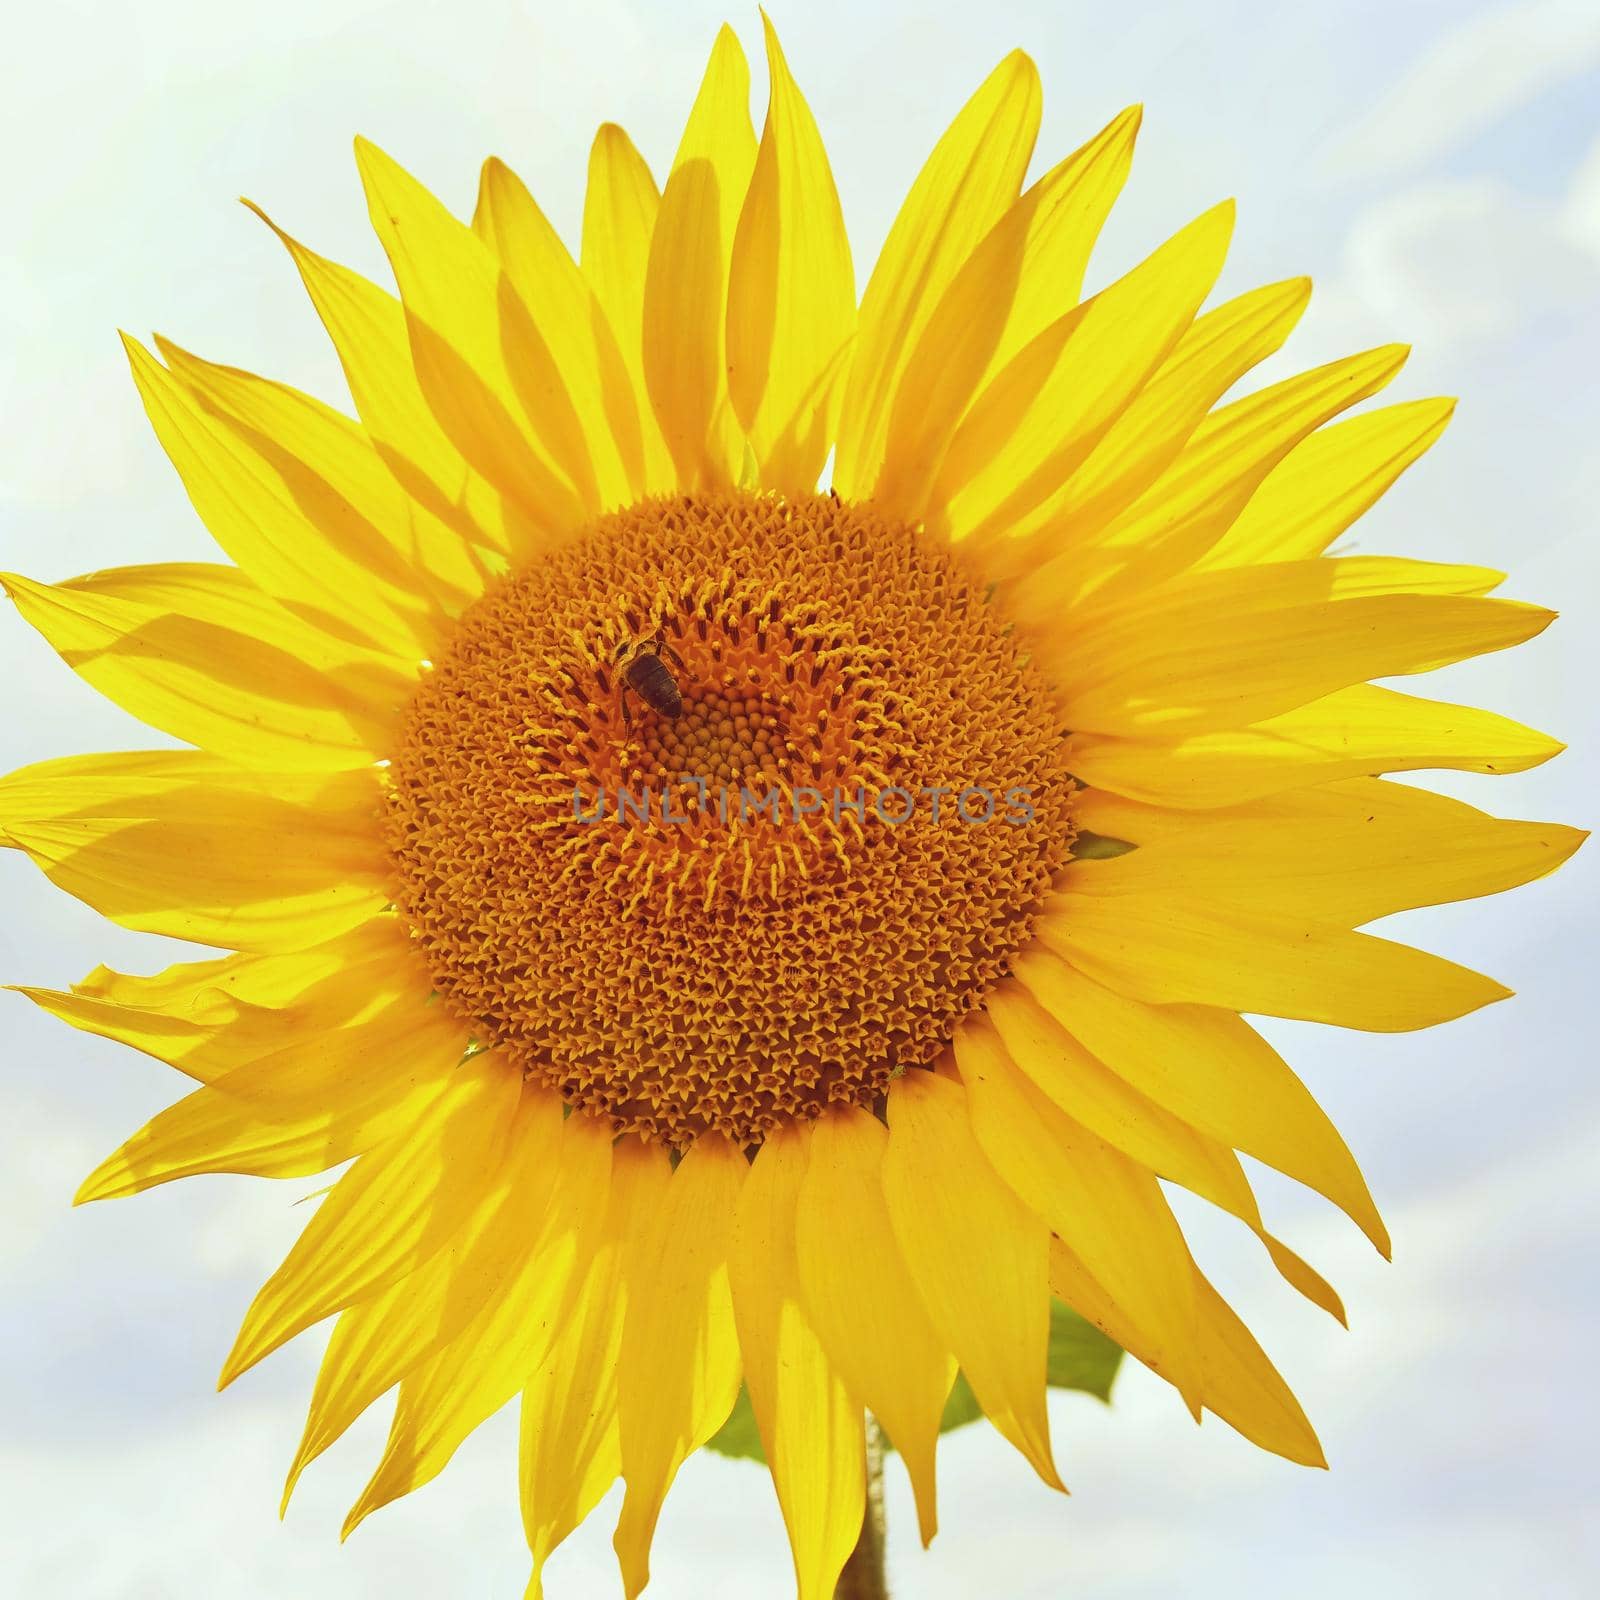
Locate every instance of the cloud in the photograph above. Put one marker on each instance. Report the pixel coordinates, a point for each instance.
(1470, 259)
(1488, 67)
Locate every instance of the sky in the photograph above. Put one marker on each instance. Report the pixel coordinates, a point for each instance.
(1435, 167)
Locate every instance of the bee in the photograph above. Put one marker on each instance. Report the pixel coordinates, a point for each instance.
(647, 676)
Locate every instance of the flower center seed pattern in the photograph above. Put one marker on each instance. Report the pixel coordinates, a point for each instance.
(717, 920)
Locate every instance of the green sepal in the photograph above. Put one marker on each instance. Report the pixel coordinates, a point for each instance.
(1099, 847)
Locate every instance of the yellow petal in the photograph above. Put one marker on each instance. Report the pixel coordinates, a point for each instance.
(496, 1353)
(1213, 649)
(686, 283)
(1102, 1106)
(1022, 280)
(388, 1214)
(199, 991)
(1211, 1068)
(222, 988)
(307, 1106)
(571, 1449)
(207, 1017)
(859, 1296)
(966, 185)
(203, 654)
(619, 216)
(1109, 1209)
(385, 1336)
(175, 842)
(420, 567)
(1361, 729)
(811, 1429)
(1216, 350)
(601, 426)
(368, 328)
(1169, 950)
(1191, 505)
(977, 1255)
(1344, 853)
(478, 360)
(1046, 409)
(678, 1374)
(172, 1039)
(1237, 1381)
(791, 292)
(1069, 206)
(248, 491)
(1327, 481)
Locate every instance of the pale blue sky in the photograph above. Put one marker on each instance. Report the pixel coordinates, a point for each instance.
(1436, 168)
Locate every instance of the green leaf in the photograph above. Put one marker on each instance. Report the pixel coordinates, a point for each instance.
(739, 1435)
(1080, 1357)
(1099, 847)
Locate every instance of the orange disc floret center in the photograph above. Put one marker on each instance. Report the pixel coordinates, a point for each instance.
(729, 810)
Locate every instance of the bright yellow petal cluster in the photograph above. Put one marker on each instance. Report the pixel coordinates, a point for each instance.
(1163, 561)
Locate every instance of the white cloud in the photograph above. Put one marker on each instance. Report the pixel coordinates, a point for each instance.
(1470, 259)
(1580, 215)
(1488, 66)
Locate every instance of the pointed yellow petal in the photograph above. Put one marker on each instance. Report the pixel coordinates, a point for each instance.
(202, 991)
(619, 216)
(387, 1335)
(1244, 1388)
(1071, 204)
(1345, 853)
(174, 842)
(418, 566)
(1361, 729)
(392, 1210)
(368, 328)
(1101, 1106)
(205, 1018)
(372, 1346)
(678, 1374)
(791, 292)
(306, 1107)
(978, 1257)
(172, 1039)
(1192, 504)
(862, 1301)
(966, 185)
(1237, 1381)
(1215, 351)
(1020, 283)
(1109, 1209)
(1170, 951)
(1213, 649)
(601, 426)
(812, 1431)
(1327, 481)
(482, 367)
(686, 283)
(1047, 408)
(571, 1449)
(203, 654)
(496, 1353)
(246, 489)
(1211, 1068)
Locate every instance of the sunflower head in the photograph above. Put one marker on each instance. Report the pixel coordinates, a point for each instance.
(776, 893)
(747, 935)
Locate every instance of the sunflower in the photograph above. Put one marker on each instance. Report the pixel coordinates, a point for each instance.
(744, 935)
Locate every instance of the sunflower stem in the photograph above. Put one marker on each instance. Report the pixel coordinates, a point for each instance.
(863, 1577)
